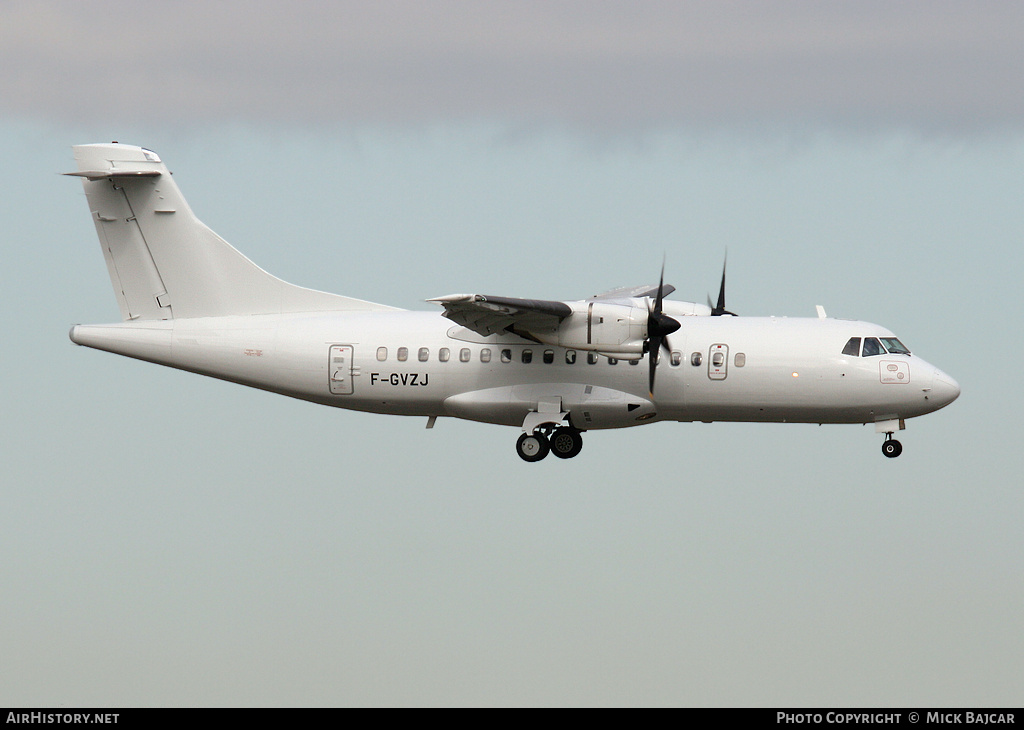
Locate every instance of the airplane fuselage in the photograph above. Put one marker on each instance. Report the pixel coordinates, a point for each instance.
(769, 369)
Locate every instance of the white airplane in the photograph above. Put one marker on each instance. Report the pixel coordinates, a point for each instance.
(555, 369)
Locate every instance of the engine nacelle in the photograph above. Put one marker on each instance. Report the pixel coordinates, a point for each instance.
(614, 329)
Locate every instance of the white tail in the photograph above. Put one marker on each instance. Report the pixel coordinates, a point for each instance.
(163, 262)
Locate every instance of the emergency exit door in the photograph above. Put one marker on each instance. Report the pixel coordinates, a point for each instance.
(718, 362)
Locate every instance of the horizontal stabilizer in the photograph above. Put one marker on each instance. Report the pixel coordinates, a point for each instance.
(101, 174)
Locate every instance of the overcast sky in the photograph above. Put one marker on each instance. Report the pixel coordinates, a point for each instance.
(593, 66)
(168, 539)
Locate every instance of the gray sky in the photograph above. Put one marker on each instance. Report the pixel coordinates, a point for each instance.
(173, 540)
(595, 66)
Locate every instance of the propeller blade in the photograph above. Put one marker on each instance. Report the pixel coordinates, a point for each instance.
(652, 365)
(661, 289)
(719, 309)
(721, 288)
(659, 327)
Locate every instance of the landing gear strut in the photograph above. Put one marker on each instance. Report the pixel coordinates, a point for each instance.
(564, 442)
(891, 447)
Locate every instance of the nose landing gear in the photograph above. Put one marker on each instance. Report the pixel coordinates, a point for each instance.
(891, 447)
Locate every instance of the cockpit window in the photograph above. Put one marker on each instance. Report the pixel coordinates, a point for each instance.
(872, 347)
(852, 347)
(894, 346)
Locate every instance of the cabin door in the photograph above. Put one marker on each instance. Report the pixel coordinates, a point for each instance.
(340, 370)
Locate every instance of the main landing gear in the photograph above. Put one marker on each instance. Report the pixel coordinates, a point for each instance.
(564, 442)
(891, 447)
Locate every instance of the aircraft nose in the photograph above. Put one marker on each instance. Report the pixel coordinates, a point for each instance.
(945, 390)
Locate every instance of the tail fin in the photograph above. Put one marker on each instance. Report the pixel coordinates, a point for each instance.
(163, 262)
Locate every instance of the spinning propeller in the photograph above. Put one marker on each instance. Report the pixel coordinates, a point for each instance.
(659, 327)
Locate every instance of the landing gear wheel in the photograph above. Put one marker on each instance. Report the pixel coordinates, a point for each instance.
(532, 447)
(566, 442)
(892, 448)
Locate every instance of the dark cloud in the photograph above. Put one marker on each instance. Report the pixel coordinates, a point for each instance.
(942, 66)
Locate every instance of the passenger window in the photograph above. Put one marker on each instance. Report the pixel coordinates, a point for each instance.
(549, 357)
(676, 358)
(570, 357)
(403, 354)
(382, 354)
(872, 347)
(696, 359)
(740, 359)
(852, 347)
(592, 358)
(443, 354)
(464, 354)
(718, 359)
(485, 355)
(527, 356)
(894, 346)
(424, 354)
(506, 355)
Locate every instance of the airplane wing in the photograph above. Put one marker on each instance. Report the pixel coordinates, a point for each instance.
(487, 315)
(635, 292)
